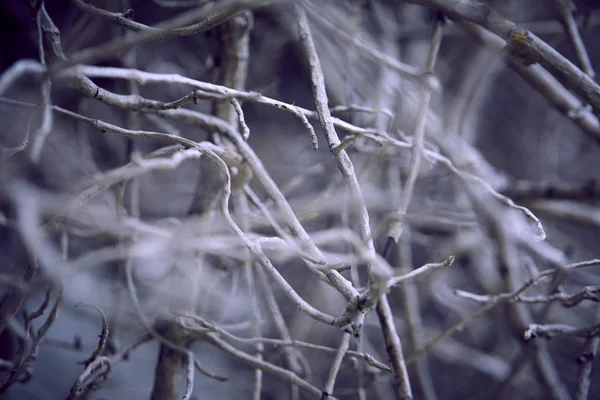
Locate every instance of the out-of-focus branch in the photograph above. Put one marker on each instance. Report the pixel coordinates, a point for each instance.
(570, 210)
(523, 45)
(366, 49)
(546, 84)
(265, 366)
(22, 369)
(566, 9)
(591, 293)
(429, 84)
(586, 359)
(202, 326)
(412, 310)
(209, 17)
(11, 304)
(391, 338)
(498, 299)
(552, 330)
(531, 190)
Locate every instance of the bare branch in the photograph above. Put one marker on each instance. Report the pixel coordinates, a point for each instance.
(523, 45)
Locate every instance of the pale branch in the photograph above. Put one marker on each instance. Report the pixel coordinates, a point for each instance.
(523, 45)
(202, 19)
(552, 330)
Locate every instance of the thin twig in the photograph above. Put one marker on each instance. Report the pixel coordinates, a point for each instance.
(591, 293)
(419, 271)
(103, 335)
(394, 350)
(552, 330)
(429, 84)
(47, 115)
(265, 366)
(202, 19)
(367, 49)
(189, 377)
(586, 360)
(412, 310)
(492, 304)
(335, 365)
